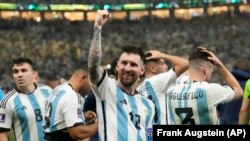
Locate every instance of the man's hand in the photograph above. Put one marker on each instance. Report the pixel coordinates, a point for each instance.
(212, 57)
(101, 17)
(90, 117)
(153, 54)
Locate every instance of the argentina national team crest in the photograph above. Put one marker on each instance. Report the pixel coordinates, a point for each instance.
(79, 112)
(2, 117)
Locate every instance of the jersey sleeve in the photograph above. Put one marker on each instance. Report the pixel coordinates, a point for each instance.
(163, 80)
(104, 87)
(247, 90)
(72, 110)
(46, 91)
(220, 94)
(6, 113)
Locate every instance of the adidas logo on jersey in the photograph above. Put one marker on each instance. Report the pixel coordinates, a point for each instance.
(124, 101)
(24, 107)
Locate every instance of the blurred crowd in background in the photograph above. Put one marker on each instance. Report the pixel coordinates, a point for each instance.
(55, 46)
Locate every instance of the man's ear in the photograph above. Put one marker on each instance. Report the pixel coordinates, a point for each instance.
(152, 68)
(84, 76)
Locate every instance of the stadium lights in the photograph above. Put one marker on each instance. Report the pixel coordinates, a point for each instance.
(117, 7)
(160, 5)
(107, 7)
(81, 7)
(136, 6)
(32, 6)
(8, 6)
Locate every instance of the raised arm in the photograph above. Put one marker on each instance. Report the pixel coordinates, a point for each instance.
(95, 51)
(225, 73)
(180, 64)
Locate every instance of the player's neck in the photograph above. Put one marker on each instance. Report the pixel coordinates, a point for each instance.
(148, 75)
(27, 89)
(129, 90)
(197, 77)
(74, 85)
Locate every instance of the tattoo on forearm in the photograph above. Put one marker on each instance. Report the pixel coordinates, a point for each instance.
(95, 54)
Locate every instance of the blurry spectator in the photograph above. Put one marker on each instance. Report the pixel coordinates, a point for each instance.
(36, 77)
(54, 39)
(51, 80)
(229, 112)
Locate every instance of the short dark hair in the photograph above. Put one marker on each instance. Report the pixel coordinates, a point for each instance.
(23, 60)
(134, 50)
(82, 64)
(199, 55)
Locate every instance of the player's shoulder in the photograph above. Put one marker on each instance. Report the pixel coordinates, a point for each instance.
(144, 98)
(7, 98)
(63, 88)
(43, 86)
(142, 87)
(214, 85)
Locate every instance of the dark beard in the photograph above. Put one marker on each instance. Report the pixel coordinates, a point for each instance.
(127, 84)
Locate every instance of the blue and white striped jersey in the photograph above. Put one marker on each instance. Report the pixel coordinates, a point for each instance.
(25, 113)
(195, 102)
(182, 78)
(155, 89)
(63, 109)
(122, 116)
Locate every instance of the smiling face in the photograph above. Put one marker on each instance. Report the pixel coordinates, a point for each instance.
(129, 68)
(23, 74)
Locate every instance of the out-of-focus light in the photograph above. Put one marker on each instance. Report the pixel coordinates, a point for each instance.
(160, 5)
(38, 19)
(107, 7)
(31, 6)
(108, 66)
